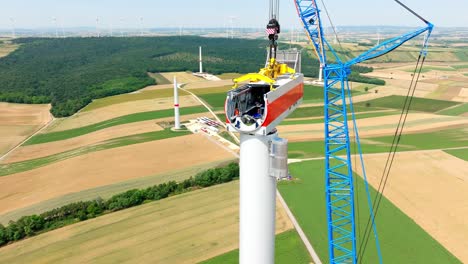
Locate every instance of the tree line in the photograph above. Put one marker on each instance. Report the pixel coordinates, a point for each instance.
(28, 226)
(69, 73)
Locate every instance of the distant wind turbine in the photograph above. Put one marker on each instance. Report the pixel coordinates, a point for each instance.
(121, 26)
(54, 19)
(141, 26)
(98, 33)
(232, 18)
(13, 32)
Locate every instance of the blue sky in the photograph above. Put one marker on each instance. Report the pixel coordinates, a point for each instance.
(216, 13)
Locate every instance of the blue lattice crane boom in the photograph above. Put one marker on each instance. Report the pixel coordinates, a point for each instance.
(337, 98)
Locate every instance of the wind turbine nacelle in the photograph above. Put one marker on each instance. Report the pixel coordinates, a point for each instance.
(255, 108)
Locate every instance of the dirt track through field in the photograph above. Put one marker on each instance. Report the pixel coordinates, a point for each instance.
(430, 187)
(375, 126)
(104, 168)
(186, 228)
(19, 121)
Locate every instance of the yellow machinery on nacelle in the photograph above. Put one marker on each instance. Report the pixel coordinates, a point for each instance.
(269, 74)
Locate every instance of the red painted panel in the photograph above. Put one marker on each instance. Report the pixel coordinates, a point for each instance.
(280, 105)
(225, 112)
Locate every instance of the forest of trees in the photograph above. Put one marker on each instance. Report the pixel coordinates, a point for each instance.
(28, 226)
(71, 72)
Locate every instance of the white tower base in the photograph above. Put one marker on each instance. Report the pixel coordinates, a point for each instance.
(321, 73)
(257, 201)
(176, 105)
(201, 60)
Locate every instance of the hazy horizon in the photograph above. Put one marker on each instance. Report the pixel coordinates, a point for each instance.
(28, 14)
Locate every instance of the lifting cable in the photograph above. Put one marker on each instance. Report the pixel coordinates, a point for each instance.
(396, 138)
(356, 186)
(393, 149)
(334, 30)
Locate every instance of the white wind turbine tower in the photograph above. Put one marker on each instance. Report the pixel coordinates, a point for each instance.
(98, 33)
(54, 19)
(336, 36)
(141, 26)
(181, 30)
(62, 28)
(121, 26)
(111, 29)
(231, 21)
(13, 32)
(378, 37)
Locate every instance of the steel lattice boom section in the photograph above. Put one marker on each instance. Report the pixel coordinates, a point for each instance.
(338, 170)
(338, 166)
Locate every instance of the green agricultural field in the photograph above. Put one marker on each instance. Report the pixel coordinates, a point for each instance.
(417, 104)
(432, 68)
(135, 96)
(401, 239)
(214, 90)
(108, 191)
(320, 120)
(12, 168)
(462, 54)
(459, 153)
(138, 117)
(159, 78)
(455, 111)
(288, 249)
(460, 67)
(317, 111)
(229, 76)
(444, 139)
(215, 100)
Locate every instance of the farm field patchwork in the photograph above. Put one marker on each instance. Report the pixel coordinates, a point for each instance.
(17, 167)
(137, 117)
(443, 139)
(131, 97)
(417, 104)
(429, 187)
(35, 151)
(106, 167)
(402, 240)
(107, 191)
(161, 231)
(103, 114)
(378, 126)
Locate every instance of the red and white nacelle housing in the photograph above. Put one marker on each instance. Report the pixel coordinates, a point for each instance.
(254, 108)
